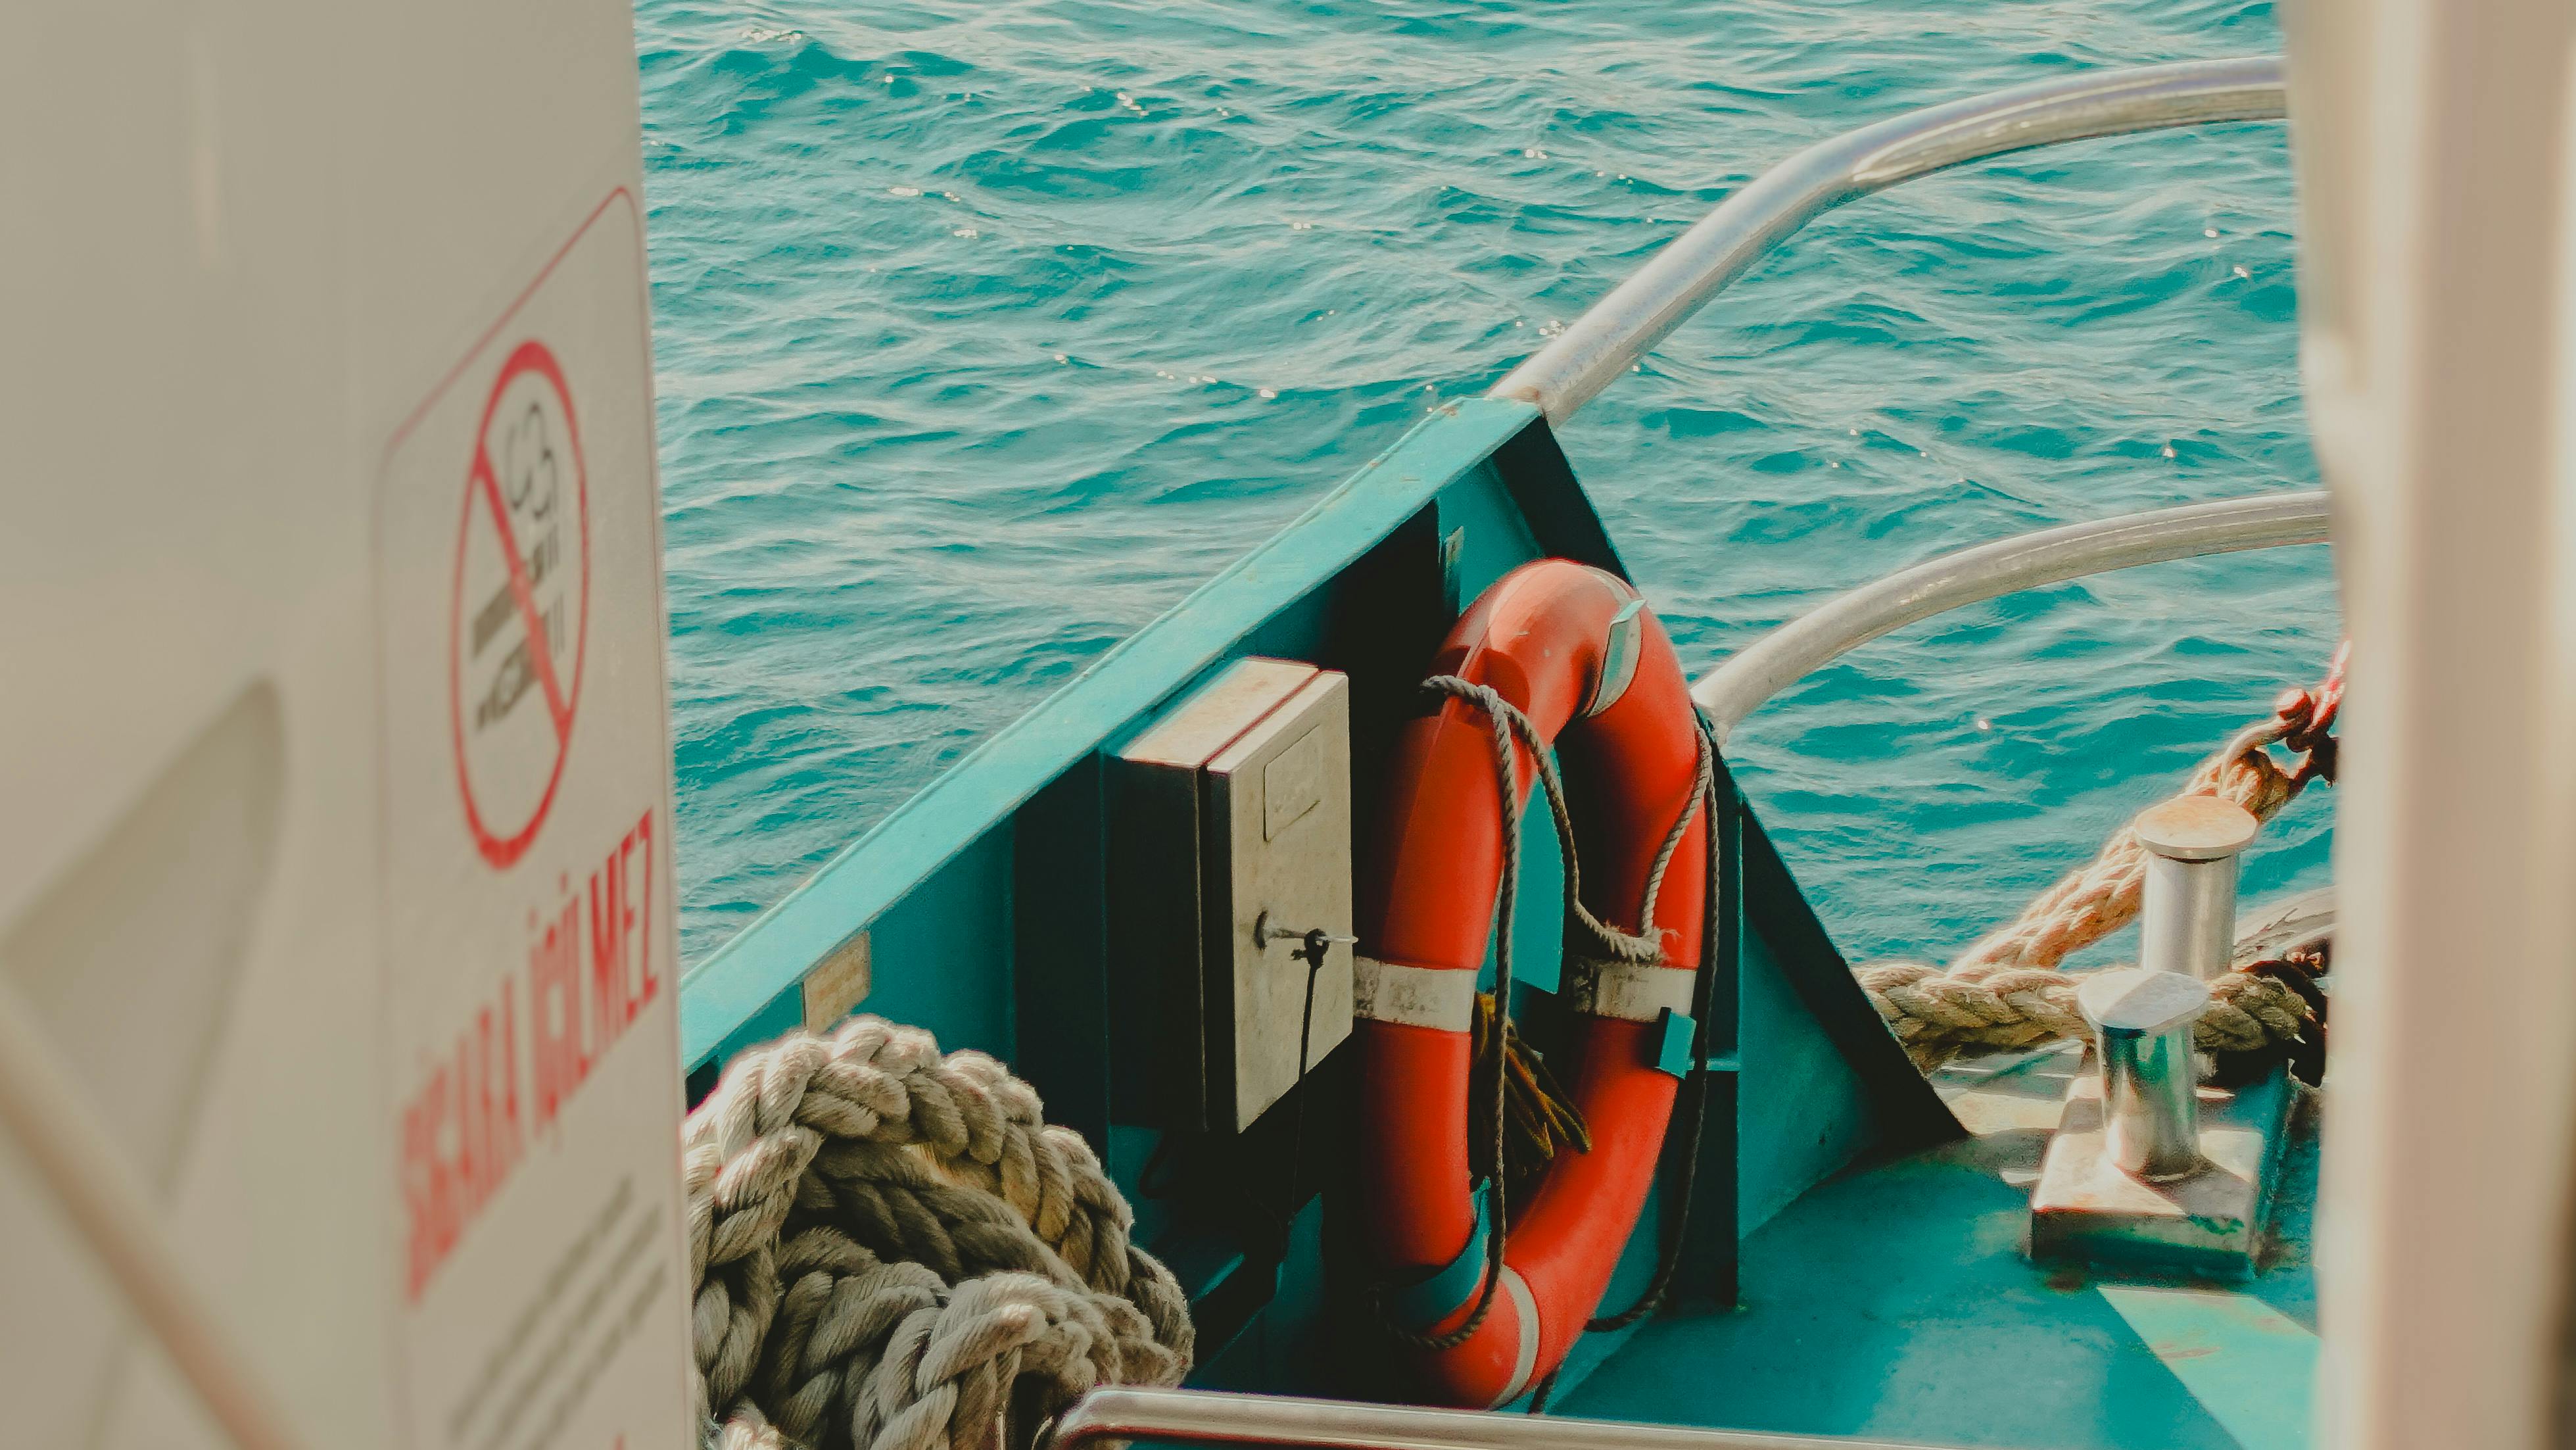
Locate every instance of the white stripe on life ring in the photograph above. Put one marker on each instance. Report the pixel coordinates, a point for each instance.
(1630, 991)
(1439, 997)
(1525, 1310)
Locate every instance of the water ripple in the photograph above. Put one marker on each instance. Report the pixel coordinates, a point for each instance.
(985, 332)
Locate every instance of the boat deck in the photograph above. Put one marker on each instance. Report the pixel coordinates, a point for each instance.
(1894, 1301)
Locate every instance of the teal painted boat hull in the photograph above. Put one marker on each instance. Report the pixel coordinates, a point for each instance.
(1850, 1258)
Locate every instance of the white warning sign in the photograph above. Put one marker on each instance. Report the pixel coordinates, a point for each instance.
(531, 1055)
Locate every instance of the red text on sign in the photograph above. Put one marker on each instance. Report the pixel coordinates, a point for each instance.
(461, 1136)
(463, 1128)
(579, 1009)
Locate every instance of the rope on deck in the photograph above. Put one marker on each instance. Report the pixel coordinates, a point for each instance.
(2006, 992)
(892, 1250)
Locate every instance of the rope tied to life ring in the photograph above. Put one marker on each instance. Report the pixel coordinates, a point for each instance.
(1521, 1089)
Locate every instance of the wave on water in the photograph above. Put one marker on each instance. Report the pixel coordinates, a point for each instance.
(986, 332)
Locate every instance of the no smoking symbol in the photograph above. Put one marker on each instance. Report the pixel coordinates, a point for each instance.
(520, 617)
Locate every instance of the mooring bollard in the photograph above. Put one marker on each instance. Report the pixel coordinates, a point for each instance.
(2150, 1088)
(2140, 1119)
(2187, 923)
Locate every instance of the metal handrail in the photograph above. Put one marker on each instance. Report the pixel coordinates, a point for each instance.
(1210, 1417)
(1601, 344)
(1788, 654)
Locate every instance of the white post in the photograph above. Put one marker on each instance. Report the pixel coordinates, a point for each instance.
(2431, 147)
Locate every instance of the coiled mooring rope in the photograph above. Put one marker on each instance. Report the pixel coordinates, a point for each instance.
(892, 1250)
(2005, 991)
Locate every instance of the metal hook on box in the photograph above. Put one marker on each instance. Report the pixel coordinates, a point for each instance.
(1312, 943)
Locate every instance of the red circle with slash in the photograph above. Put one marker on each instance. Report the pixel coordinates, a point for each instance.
(519, 620)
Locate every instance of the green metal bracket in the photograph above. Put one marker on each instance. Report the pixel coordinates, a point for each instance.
(1673, 1033)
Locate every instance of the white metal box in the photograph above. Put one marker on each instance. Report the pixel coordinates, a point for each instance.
(1231, 842)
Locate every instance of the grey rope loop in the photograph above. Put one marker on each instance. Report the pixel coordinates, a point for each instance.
(1607, 941)
(1703, 783)
(1507, 722)
(1703, 992)
(1503, 717)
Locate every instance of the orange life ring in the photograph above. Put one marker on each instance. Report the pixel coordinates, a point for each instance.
(1575, 650)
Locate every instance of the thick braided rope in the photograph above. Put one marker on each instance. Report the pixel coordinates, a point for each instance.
(1000, 1342)
(2098, 898)
(1937, 1015)
(2005, 991)
(866, 1352)
(893, 1173)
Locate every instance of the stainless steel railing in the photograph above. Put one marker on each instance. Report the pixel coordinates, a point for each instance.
(1601, 344)
(1208, 1417)
(1779, 659)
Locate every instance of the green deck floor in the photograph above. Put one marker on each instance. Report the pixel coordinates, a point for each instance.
(1894, 1301)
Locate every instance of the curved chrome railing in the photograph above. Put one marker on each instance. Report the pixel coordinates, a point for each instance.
(1215, 1417)
(1641, 311)
(1784, 656)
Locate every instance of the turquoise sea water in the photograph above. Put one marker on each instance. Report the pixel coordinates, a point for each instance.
(987, 331)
